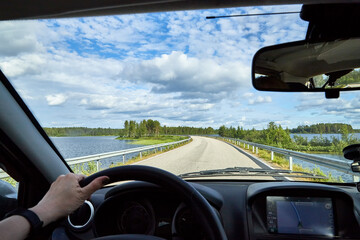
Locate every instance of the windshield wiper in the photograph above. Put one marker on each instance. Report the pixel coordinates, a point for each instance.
(244, 171)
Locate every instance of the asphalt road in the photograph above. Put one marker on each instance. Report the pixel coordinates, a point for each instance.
(201, 154)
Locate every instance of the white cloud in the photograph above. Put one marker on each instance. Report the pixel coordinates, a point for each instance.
(55, 99)
(248, 95)
(192, 77)
(260, 99)
(192, 71)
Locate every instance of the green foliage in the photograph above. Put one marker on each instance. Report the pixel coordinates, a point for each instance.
(85, 168)
(132, 129)
(10, 180)
(350, 78)
(321, 128)
(282, 162)
(275, 135)
(151, 128)
(81, 131)
(153, 140)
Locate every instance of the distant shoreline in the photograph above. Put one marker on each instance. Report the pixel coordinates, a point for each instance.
(153, 139)
(85, 136)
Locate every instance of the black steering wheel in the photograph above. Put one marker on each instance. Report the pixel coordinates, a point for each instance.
(202, 209)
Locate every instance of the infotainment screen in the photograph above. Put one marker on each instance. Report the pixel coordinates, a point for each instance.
(300, 215)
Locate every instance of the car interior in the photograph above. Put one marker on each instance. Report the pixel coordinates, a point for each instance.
(143, 202)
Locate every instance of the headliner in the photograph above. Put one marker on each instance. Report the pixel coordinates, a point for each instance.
(42, 9)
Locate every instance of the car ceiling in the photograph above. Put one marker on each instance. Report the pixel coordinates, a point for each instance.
(41, 9)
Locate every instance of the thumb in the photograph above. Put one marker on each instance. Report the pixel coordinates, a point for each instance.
(96, 184)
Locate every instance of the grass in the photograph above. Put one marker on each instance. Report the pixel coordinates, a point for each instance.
(154, 139)
(279, 161)
(10, 180)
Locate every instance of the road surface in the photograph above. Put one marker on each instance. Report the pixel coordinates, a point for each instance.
(201, 154)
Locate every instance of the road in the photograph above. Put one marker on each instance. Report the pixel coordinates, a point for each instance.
(201, 154)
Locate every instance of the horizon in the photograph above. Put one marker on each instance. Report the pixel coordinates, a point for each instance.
(216, 129)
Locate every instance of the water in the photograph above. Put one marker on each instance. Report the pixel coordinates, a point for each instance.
(334, 173)
(329, 136)
(71, 147)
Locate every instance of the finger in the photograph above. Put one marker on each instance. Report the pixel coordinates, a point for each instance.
(80, 177)
(96, 184)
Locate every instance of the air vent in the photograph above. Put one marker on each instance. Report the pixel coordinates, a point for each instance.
(81, 218)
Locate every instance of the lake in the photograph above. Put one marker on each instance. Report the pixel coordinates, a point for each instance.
(309, 136)
(329, 136)
(71, 147)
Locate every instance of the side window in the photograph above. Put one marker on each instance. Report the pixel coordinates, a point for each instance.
(8, 193)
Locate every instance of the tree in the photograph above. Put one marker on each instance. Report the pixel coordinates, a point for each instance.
(156, 128)
(222, 131)
(150, 127)
(142, 126)
(126, 127)
(132, 129)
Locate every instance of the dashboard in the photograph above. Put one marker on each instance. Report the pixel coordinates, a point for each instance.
(247, 210)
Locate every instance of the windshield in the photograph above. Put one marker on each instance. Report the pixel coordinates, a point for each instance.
(115, 86)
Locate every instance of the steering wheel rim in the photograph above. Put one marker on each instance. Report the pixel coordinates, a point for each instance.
(201, 207)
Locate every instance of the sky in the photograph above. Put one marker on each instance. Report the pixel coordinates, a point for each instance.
(178, 68)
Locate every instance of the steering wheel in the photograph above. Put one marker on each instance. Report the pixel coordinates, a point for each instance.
(202, 209)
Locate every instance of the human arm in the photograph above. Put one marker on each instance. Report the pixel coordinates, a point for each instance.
(64, 196)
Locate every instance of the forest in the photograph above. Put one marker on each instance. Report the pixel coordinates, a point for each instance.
(80, 131)
(146, 128)
(277, 136)
(321, 128)
(131, 129)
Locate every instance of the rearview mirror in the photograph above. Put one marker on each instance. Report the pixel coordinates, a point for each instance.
(302, 66)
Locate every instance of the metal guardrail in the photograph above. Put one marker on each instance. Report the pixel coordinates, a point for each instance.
(123, 153)
(322, 161)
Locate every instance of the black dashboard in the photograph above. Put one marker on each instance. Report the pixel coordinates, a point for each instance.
(248, 210)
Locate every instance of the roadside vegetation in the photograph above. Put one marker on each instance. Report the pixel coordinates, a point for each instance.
(275, 135)
(154, 140)
(279, 161)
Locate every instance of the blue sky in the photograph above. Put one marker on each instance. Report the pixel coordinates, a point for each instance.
(176, 67)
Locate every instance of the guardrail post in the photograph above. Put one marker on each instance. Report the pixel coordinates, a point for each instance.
(244, 145)
(97, 165)
(253, 149)
(140, 155)
(257, 150)
(248, 146)
(123, 157)
(290, 163)
(272, 155)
